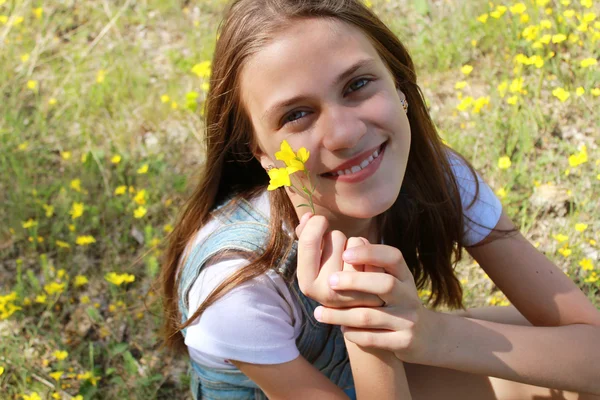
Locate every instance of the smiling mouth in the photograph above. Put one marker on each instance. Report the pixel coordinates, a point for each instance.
(360, 166)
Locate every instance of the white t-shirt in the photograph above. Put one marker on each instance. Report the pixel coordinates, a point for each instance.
(253, 323)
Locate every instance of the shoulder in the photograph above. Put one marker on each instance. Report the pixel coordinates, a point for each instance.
(481, 207)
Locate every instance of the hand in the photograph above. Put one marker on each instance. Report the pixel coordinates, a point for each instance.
(403, 326)
(319, 256)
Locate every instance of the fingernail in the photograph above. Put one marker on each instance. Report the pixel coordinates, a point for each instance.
(333, 280)
(349, 255)
(318, 313)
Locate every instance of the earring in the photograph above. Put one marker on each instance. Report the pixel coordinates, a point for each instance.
(404, 105)
(269, 167)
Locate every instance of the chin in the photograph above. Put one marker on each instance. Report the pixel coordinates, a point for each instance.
(367, 207)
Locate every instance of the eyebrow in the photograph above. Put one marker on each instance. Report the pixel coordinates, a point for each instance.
(368, 62)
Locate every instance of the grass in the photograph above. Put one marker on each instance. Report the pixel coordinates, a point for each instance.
(99, 144)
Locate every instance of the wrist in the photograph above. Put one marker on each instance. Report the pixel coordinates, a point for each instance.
(433, 334)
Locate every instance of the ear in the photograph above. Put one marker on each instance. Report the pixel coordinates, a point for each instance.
(265, 161)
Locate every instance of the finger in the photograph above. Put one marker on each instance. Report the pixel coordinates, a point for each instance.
(303, 220)
(359, 317)
(368, 267)
(386, 257)
(333, 247)
(378, 339)
(309, 250)
(354, 242)
(386, 286)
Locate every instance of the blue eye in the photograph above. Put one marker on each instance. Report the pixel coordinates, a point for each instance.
(291, 121)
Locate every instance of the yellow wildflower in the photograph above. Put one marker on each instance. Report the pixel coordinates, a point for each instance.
(76, 210)
(139, 212)
(168, 228)
(512, 100)
(592, 278)
(595, 92)
(165, 98)
(143, 169)
(502, 88)
(120, 190)
(40, 298)
(205, 86)
(119, 279)
(202, 69)
(85, 240)
(24, 57)
(558, 38)
(560, 237)
(565, 251)
(279, 177)
(545, 24)
(60, 354)
(85, 299)
(54, 288)
(586, 264)
(62, 244)
(38, 11)
(501, 193)
(504, 162)
(100, 76)
(30, 223)
(578, 158)
(466, 69)
(140, 197)
(52, 101)
(76, 185)
(56, 375)
(516, 86)
(586, 3)
(588, 62)
(80, 280)
(23, 146)
(115, 159)
(561, 94)
(518, 8)
(32, 396)
(32, 85)
(460, 85)
(483, 18)
(293, 161)
(580, 227)
(579, 91)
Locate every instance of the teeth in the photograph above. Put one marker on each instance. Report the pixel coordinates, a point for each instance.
(357, 168)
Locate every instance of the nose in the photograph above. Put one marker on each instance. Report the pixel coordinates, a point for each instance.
(342, 127)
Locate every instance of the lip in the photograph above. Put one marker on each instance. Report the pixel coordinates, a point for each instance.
(355, 160)
(363, 173)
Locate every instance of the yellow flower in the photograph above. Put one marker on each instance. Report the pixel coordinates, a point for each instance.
(502, 88)
(580, 227)
(143, 169)
(465, 103)
(558, 38)
(595, 92)
(466, 69)
(139, 212)
(512, 100)
(168, 228)
(30, 223)
(62, 244)
(76, 185)
(140, 197)
(32, 396)
(560, 237)
(578, 158)
(202, 69)
(516, 86)
(294, 162)
(588, 62)
(80, 280)
(38, 11)
(32, 85)
(518, 8)
(115, 159)
(565, 251)
(501, 193)
(24, 57)
(586, 3)
(23, 146)
(56, 375)
(586, 264)
(88, 376)
(504, 162)
(165, 98)
(279, 177)
(460, 85)
(72, 227)
(85, 240)
(593, 278)
(40, 298)
(120, 190)
(52, 101)
(119, 279)
(54, 288)
(561, 94)
(76, 210)
(205, 86)
(60, 354)
(579, 91)
(100, 76)
(483, 18)
(480, 103)
(545, 24)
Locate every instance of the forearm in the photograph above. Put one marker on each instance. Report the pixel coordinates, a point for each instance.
(378, 374)
(563, 357)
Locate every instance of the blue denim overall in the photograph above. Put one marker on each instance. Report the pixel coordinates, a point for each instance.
(244, 228)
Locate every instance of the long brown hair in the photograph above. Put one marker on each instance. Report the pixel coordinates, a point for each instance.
(425, 222)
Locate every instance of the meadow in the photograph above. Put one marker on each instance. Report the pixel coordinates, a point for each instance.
(100, 142)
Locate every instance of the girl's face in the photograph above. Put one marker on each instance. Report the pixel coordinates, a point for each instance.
(320, 84)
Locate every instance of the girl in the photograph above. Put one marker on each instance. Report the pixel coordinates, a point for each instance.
(393, 209)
